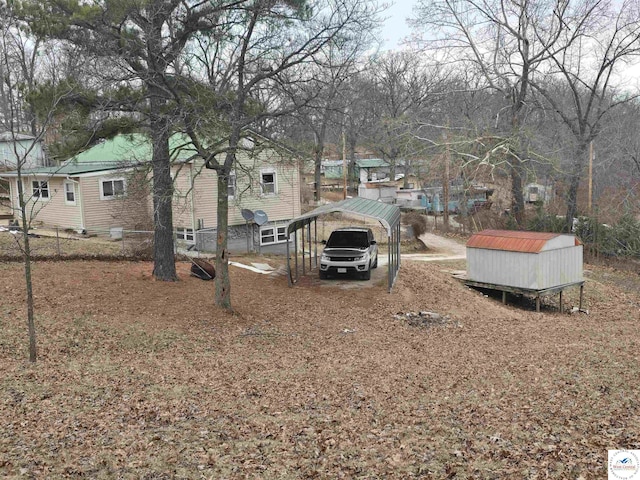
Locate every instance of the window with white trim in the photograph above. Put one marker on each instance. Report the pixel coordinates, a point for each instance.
(112, 188)
(185, 234)
(40, 189)
(273, 234)
(268, 182)
(69, 193)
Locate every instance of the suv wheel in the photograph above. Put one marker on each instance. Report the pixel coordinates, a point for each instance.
(366, 275)
(322, 275)
(375, 262)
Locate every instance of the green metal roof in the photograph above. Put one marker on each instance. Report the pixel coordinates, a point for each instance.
(133, 149)
(376, 163)
(388, 215)
(119, 152)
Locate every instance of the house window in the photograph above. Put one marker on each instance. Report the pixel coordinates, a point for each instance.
(231, 185)
(40, 189)
(69, 193)
(273, 234)
(111, 188)
(185, 234)
(268, 182)
(282, 234)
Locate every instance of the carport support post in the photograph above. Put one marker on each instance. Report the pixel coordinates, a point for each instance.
(310, 248)
(303, 265)
(290, 280)
(561, 308)
(389, 264)
(295, 250)
(315, 237)
(399, 255)
(504, 297)
(538, 303)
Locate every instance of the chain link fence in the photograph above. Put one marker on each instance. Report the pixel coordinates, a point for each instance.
(55, 242)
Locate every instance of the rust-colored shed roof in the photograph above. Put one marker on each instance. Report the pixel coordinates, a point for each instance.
(513, 241)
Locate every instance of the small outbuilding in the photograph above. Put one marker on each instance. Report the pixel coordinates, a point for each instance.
(536, 263)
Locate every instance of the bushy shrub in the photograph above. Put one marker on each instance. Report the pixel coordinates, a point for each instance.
(544, 222)
(619, 240)
(417, 221)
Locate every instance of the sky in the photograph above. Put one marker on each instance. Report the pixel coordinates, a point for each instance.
(396, 28)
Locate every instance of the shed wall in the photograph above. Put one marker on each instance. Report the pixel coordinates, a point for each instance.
(535, 271)
(561, 241)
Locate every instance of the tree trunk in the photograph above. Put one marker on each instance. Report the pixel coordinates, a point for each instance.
(517, 195)
(317, 173)
(318, 151)
(351, 156)
(574, 183)
(164, 265)
(31, 326)
(222, 282)
(405, 183)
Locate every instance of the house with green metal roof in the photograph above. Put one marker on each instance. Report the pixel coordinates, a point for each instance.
(106, 189)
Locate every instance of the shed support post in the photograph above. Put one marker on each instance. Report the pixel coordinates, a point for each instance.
(581, 292)
(561, 307)
(538, 303)
(504, 297)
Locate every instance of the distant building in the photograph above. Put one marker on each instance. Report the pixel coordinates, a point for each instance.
(536, 192)
(19, 147)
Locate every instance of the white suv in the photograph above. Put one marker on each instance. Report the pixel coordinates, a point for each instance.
(349, 250)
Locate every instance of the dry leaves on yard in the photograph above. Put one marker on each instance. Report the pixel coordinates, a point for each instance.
(145, 379)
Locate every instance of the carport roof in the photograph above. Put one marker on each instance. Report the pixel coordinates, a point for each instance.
(388, 215)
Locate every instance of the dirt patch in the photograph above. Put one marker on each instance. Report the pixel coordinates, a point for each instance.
(146, 379)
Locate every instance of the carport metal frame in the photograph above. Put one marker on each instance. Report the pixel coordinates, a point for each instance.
(387, 215)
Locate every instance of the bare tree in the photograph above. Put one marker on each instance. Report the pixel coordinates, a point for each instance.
(264, 41)
(403, 88)
(321, 104)
(15, 87)
(138, 47)
(580, 87)
(506, 43)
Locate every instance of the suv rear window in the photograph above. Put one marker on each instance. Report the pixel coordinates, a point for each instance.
(348, 239)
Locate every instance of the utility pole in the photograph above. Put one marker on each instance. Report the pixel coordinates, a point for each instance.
(445, 187)
(344, 162)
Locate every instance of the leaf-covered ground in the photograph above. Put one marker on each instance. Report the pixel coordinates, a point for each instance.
(143, 379)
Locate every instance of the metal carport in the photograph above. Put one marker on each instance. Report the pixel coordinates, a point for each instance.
(387, 215)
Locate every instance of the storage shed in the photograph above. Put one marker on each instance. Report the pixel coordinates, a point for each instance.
(524, 262)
